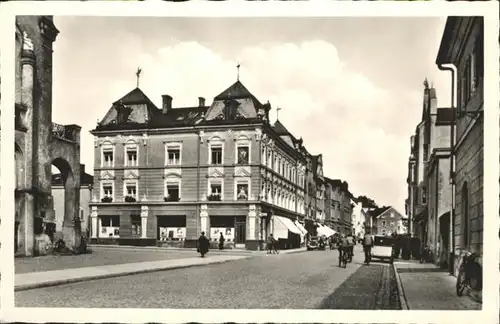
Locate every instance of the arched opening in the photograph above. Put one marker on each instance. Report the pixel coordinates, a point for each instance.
(464, 219)
(64, 210)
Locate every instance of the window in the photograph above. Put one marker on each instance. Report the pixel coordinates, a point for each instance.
(110, 226)
(131, 189)
(242, 152)
(424, 195)
(107, 157)
(172, 191)
(263, 156)
(392, 223)
(216, 155)
(107, 190)
(383, 223)
(131, 155)
(173, 154)
(242, 191)
(216, 189)
(135, 221)
(269, 159)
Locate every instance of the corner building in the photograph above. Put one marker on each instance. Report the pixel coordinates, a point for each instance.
(163, 175)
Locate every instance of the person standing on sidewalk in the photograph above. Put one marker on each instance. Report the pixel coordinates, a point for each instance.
(203, 244)
(367, 246)
(221, 241)
(350, 244)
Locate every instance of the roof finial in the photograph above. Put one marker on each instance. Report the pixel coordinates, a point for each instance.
(426, 84)
(278, 113)
(238, 67)
(138, 73)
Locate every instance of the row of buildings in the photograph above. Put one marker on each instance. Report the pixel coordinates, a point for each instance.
(162, 174)
(445, 167)
(167, 174)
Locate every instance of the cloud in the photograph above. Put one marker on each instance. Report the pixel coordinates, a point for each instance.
(360, 128)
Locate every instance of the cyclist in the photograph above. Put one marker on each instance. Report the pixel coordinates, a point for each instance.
(343, 247)
(350, 244)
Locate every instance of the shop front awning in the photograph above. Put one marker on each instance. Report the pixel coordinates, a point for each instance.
(281, 223)
(301, 227)
(325, 231)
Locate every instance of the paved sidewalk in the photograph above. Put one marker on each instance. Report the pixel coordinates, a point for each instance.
(426, 287)
(34, 280)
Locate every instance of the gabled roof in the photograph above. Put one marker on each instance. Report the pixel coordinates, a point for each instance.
(134, 97)
(280, 129)
(236, 91)
(376, 212)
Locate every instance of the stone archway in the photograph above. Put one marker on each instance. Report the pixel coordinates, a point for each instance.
(68, 228)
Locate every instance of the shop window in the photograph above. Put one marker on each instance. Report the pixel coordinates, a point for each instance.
(171, 228)
(110, 226)
(136, 225)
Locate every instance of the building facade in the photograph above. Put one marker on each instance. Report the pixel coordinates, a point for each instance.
(358, 219)
(168, 174)
(86, 183)
(40, 143)
(462, 47)
(389, 222)
(338, 201)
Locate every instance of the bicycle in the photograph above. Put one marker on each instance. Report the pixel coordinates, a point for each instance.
(469, 274)
(344, 258)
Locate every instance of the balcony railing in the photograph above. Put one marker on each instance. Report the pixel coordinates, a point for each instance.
(64, 132)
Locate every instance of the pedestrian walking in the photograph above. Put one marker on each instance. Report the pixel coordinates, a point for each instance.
(203, 244)
(221, 241)
(367, 246)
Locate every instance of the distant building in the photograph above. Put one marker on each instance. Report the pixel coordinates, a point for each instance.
(358, 218)
(86, 182)
(338, 200)
(388, 221)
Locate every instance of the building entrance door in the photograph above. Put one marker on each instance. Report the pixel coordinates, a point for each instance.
(240, 233)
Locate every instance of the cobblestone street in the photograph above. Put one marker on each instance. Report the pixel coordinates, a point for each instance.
(310, 280)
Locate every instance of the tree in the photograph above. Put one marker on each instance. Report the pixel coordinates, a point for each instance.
(367, 202)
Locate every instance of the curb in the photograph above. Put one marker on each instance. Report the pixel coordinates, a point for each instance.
(248, 252)
(113, 275)
(401, 292)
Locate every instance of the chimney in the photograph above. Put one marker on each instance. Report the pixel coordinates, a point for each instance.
(201, 102)
(166, 103)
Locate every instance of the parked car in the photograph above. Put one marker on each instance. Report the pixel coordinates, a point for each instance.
(383, 248)
(312, 244)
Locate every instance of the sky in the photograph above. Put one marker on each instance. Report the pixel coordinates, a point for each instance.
(350, 87)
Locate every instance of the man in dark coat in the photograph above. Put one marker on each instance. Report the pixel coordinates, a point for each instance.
(203, 244)
(221, 241)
